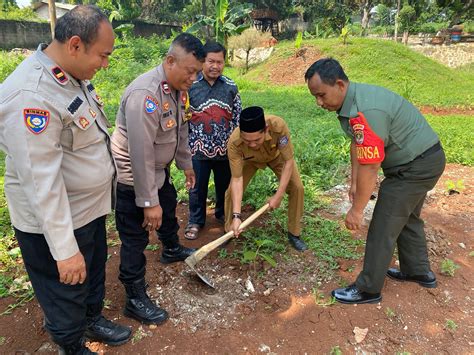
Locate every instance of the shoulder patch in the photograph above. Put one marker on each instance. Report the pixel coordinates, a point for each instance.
(369, 146)
(283, 141)
(151, 104)
(74, 105)
(36, 119)
(59, 75)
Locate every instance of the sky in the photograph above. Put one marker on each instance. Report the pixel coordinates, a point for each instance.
(23, 3)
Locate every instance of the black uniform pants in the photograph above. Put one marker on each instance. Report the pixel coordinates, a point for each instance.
(129, 219)
(65, 306)
(198, 194)
(396, 221)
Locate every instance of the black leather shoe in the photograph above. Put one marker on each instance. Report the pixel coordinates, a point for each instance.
(428, 280)
(76, 348)
(297, 242)
(352, 295)
(101, 329)
(140, 307)
(175, 254)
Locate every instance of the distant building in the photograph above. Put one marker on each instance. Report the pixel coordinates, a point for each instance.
(42, 9)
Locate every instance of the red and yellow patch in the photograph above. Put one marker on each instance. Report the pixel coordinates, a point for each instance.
(84, 122)
(92, 112)
(369, 146)
(170, 123)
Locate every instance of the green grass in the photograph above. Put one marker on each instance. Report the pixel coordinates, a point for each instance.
(456, 136)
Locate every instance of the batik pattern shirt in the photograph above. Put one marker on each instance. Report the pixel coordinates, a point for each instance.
(215, 114)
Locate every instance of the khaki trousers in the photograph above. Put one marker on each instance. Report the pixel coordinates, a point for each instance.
(294, 190)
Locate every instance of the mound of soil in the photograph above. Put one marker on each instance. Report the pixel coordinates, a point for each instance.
(291, 70)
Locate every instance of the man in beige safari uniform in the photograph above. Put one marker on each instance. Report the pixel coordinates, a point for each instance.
(152, 131)
(59, 177)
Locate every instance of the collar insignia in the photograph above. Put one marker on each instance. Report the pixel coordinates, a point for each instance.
(165, 87)
(59, 75)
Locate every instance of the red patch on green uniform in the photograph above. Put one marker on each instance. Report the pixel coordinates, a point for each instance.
(369, 146)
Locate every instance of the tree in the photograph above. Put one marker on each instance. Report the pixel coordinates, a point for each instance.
(5, 5)
(407, 18)
(249, 39)
(227, 22)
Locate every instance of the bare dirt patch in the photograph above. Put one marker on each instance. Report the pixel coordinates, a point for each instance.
(291, 70)
(438, 111)
(282, 316)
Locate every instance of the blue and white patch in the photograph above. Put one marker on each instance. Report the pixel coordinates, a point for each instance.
(36, 119)
(283, 141)
(151, 104)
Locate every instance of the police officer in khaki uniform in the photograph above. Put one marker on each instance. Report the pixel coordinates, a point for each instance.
(260, 142)
(59, 177)
(389, 132)
(152, 131)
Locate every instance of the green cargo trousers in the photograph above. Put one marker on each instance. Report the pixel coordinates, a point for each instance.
(396, 220)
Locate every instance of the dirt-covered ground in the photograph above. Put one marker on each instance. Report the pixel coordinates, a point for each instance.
(274, 310)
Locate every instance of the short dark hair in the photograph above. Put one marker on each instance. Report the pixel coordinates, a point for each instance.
(328, 69)
(82, 21)
(214, 47)
(190, 44)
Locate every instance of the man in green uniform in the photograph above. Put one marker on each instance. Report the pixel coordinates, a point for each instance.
(389, 132)
(260, 142)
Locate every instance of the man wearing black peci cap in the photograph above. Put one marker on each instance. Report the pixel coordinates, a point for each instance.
(263, 141)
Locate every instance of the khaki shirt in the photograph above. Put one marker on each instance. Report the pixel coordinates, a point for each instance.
(59, 169)
(277, 142)
(151, 131)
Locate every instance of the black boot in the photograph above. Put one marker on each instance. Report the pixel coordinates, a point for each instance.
(173, 252)
(76, 348)
(140, 307)
(101, 329)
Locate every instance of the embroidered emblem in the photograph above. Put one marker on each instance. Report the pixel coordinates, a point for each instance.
(84, 122)
(165, 87)
(151, 104)
(92, 112)
(166, 106)
(170, 123)
(283, 141)
(99, 100)
(59, 75)
(168, 113)
(369, 146)
(36, 119)
(187, 116)
(74, 105)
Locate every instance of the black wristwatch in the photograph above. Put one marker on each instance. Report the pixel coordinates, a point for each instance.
(236, 215)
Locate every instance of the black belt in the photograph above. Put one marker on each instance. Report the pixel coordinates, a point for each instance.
(429, 151)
